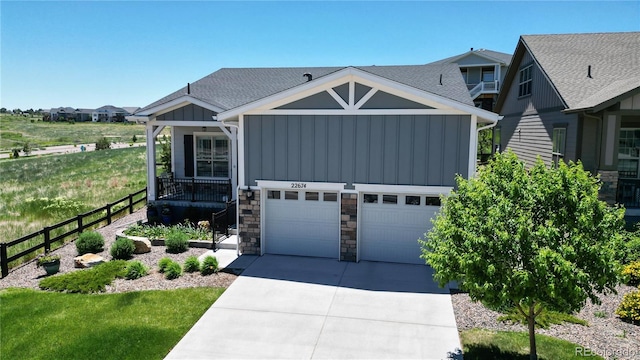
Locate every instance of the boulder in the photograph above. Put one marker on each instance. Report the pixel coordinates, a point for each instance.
(143, 245)
(88, 260)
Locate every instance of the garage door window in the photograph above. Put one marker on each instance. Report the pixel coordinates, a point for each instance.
(330, 196)
(412, 200)
(273, 194)
(389, 199)
(433, 201)
(291, 195)
(312, 196)
(370, 198)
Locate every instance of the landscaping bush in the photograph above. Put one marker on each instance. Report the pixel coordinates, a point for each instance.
(192, 264)
(631, 273)
(90, 242)
(629, 309)
(122, 248)
(163, 263)
(135, 270)
(632, 249)
(172, 271)
(209, 265)
(103, 144)
(177, 242)
(86, 281)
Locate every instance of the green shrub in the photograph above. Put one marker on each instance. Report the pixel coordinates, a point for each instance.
(629, 309)
(172, 271)
(192, 264)
(90, 242)
(177, 242)
(209, 265)
(631, 273)
(103, 144)
(163, 263)
(122, 248)
(135, 270)
(632, 249)
(86, 281)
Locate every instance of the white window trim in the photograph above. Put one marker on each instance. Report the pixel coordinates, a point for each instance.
(195, 155)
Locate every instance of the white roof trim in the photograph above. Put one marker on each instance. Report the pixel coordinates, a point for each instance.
(475, 52)
(353, 74)
(176, 104)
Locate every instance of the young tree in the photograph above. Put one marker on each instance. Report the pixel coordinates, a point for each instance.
(531, 239)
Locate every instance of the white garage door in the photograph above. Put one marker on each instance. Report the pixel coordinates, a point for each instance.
(392, 224)
(303, 223)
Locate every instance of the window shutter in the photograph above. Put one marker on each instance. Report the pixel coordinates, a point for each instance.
(188, 155)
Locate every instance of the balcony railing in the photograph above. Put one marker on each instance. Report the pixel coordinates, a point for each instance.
(484, 87)
(628, 193)
(194, 190)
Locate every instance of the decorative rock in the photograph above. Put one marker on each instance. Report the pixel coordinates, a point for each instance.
(143, 245)
(88, 260)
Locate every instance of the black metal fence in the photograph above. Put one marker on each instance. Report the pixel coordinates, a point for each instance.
(628, 193)
(110, 211)
(194, 190)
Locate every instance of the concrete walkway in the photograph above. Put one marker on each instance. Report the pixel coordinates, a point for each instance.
(311, 308)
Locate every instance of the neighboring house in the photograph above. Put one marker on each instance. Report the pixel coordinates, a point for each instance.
(69, 113)
(338, 162)
(577, 97)
(109, 113)
(483, 71)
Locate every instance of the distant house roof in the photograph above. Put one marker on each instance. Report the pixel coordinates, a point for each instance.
(110, 108)
(130, 109)
(586, 70)
(229, 88)
(494, 56)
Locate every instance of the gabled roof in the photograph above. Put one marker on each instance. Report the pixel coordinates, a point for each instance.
(493, 56)
(229, 88)
(565, 59)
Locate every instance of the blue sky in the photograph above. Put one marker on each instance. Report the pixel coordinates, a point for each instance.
(131, 53)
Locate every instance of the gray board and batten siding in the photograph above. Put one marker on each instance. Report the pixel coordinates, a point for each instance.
(189, 112)
(528, 123)
(421, 150)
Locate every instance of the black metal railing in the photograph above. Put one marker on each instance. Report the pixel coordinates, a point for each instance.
(194, 190)
(628, 193)
(223, 220)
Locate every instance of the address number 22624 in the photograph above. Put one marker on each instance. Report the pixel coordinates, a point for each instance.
(298, 185)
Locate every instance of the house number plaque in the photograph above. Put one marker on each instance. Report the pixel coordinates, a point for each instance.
(298, 185)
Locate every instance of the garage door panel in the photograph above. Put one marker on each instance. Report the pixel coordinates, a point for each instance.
(390, 232)
(302, 227)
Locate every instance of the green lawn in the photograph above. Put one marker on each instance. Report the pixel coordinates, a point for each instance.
(134, 325)
(42, 191)
(507, 345)
(18, 129)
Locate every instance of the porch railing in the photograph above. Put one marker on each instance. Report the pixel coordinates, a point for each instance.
(194, 190)
(628, 193)
(484, 87)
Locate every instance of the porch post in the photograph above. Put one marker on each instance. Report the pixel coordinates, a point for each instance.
(151, 164)
(234, 162)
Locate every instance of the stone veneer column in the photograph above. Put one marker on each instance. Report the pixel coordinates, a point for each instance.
(249, 222)
(348, 227)
(609, 187)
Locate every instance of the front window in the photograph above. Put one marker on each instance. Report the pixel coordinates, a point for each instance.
(524, 84)
(559, 144)
(488, 75)
(629, 153)
(212, 156)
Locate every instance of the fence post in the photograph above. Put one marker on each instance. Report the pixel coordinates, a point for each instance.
(130, 204)
(47, 239)
(193, 189)
(80, 224)
(3, 259)
(109, 213)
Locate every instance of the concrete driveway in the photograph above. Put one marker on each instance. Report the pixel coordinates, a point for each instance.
(312, 308)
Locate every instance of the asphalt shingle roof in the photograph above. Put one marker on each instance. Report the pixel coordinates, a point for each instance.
(229, 88)
(495, 55)
(614, 59)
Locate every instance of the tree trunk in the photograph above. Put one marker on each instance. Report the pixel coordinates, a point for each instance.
(531, 319)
